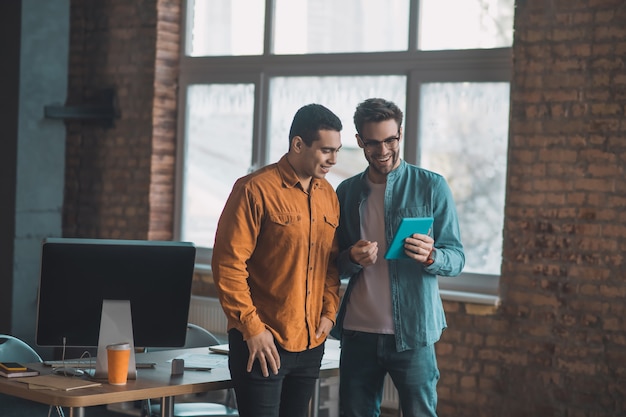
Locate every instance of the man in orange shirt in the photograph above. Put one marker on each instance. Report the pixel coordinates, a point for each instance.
(274, 268)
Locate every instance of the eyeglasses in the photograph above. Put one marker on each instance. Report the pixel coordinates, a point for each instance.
(389, 143)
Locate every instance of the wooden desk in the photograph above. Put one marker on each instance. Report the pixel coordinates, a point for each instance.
(150, 383)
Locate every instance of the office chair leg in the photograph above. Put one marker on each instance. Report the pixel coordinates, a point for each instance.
(145, 408)
(59, 411)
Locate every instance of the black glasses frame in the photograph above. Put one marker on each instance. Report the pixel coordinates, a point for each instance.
(389, 143)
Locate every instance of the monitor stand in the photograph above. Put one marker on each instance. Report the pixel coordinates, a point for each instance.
(116, 326)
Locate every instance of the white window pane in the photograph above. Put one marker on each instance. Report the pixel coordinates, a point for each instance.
(341, 95)
(331, 26)
(226, 27)
(464, 136)
(218, 151)
(465, 24)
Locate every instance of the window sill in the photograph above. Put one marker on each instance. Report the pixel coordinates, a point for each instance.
(467, 288)
(469, 297)
(203, 268)
(470, 288)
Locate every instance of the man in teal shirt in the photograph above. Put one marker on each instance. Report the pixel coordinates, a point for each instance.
(391, 314)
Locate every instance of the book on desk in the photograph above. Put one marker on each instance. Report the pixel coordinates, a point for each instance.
(17, 374)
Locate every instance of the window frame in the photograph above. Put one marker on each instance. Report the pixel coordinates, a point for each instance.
(467, 65)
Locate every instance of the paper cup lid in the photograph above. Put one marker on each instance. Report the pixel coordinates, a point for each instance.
(119, 346)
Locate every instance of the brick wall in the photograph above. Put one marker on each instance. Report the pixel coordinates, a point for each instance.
(556, 345)
(120, 178)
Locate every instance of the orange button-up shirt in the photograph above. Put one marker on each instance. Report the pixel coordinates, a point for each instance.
(274, 256)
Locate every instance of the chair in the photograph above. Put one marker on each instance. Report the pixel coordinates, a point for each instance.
(215, 404)
(13, 349)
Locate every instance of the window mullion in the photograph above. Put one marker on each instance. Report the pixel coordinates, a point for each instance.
(261, 115)
(411, 140)
(268, 38)
(414, 25)
(462, 65)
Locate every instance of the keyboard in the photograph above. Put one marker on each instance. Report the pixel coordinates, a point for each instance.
(87, 363)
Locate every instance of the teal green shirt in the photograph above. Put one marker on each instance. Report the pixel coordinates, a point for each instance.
(411, 191)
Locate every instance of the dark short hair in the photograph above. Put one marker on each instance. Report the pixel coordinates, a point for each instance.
(376, 110)
(310, 119)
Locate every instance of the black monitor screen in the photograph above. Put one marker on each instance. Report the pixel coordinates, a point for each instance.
(77, 274)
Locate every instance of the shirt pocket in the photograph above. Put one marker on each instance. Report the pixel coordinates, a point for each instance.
(411, 211)
(328, 230)
(285, 229)
(331, 221)
(285, 219)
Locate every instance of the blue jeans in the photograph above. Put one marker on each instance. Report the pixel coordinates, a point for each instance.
(284, 395)
(365, 360)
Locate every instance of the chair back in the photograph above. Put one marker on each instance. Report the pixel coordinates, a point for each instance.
(196, 337)
(13, 349)
(199, 337)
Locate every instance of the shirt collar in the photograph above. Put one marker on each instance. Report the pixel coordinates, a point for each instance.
(290, 178)
(287, 173)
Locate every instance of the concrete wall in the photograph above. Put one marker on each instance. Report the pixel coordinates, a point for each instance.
(40, 151)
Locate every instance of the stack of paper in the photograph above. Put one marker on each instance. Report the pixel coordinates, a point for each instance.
(57, 382)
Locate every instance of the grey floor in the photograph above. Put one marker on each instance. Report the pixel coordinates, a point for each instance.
(16, 407)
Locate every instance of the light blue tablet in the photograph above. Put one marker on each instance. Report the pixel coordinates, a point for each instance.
(408, 226)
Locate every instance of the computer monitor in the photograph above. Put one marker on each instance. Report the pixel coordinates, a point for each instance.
(78, 274)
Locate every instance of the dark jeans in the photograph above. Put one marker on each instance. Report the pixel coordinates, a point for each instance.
(284, 395)
(365, 360)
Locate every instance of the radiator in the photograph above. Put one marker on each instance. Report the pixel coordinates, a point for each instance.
(390, 395)
(207, 312)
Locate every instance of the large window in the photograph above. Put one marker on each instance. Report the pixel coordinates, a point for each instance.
(248, 65)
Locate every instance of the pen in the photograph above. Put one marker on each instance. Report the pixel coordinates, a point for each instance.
(197, 369)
